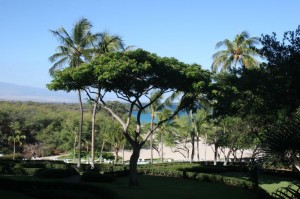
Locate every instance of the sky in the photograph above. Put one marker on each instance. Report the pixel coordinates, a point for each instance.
(187, 30)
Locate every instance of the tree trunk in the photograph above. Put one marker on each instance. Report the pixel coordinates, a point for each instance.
(242, 153)
(227, 157)
(80, 129)
(192, 136)
(93, 136)
(151, 147)
(101, 151)
(123, 153)
(133, 174)
(215, 154)
(14, 149)
(193, 147)
(216, 148)
(74, 148)
(151, 138)
(205, 147)
(198, 149)
(117, 154)
(162, 147)
(87, 153)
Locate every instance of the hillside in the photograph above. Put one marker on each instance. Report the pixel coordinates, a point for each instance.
(13, 92)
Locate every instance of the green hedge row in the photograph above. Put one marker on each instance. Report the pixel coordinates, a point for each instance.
(27, 167)
(180, 172)
(50, 190)
(56, 173)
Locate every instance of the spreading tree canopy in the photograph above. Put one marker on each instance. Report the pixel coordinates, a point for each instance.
(132, 76)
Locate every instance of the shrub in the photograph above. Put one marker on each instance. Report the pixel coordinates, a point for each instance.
(54, 173)
(31, 171)
(94, 176)
(50, 190)
(18, 156)
(56, 165)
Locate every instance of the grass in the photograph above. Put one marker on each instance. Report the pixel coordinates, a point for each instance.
(163, 187)
(272, 183)
(13, 195)
(268, 183)
(155, 187)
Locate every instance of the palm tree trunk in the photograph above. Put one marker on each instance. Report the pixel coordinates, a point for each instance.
(14, 149)
(151, 147)
(215, 154)
(192, 136)
(198, 148)
(235, 63)
(101, 151)
(80, 129)
(151, 138)
(117, 154)
(123, 153)
(93, 134)
(227, 157)
(74, 148)
(162, 147)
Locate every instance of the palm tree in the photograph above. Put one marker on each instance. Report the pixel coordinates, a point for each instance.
(108, 43)
(240, 51)
(104, 43)
(153, 109)
(164, 128)
(16, 136)
(75, 48)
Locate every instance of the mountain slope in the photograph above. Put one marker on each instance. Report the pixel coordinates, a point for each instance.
(13, 92)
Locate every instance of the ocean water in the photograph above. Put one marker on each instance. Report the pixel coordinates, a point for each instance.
(145, 117)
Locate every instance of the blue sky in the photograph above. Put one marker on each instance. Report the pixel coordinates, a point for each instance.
(187, 30)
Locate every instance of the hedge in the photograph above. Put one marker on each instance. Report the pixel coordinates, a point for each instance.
(50, 190)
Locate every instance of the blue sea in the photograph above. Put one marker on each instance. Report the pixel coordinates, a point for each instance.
(146, 117)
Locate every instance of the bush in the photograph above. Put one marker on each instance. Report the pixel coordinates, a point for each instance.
(94, 176)
(108, 156)
(31, 171)
(225, 180)
(56, 165)
(54, 173)
(18, 156)
(50, 190)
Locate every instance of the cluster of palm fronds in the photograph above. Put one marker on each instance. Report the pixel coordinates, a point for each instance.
(282, 140)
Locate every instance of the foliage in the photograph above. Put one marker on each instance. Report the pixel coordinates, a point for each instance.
(108, 156)
(55, 189)
(50, 129)
(55, 173)
(132, 75)
(240, 51)
(266, 98)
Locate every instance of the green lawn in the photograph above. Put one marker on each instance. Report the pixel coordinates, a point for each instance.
(272, 183)
(163, 187)
(4, 194)
(156, 187)
(269, 183)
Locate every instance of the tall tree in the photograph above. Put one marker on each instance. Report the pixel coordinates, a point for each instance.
(103, 43)
(132, 76)
(75, 48)
(16, 136)
(239, 51)
(164, 128)
(154, 109)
